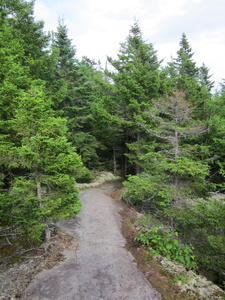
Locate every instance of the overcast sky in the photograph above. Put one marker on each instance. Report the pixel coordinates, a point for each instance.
(97, 27)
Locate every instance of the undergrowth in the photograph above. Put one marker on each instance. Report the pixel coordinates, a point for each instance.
(163, 242)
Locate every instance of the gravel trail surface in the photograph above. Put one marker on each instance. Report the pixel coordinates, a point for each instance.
(97, 265)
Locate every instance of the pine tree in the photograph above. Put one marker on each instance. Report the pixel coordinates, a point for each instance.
(173, 167)
(14, 78)
(137, 66)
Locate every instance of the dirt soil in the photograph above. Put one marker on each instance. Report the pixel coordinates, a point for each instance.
(14, 278)
(97, 265)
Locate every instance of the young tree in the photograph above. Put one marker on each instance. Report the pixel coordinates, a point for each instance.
(172, 165)
(38, 165)
(174, 123)
(46, 190)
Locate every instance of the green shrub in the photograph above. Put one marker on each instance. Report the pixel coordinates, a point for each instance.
(151, 189)
(165, 243)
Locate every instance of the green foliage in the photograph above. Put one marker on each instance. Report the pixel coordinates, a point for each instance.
(137, 82)
(173, 130)
(183, 74)
(188, 169)
(151, 190)
(203, 223)
(165, 243)
(57, 112)
(47, 192)
(30, 213)
(217, 141)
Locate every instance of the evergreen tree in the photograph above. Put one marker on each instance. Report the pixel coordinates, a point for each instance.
(19, 15)
(38, 167)
(14, 78)
(137, 81)
(205, 78)
(216, 140)
(137, 76)
(75, 86)
(63, 79)
(89, 90)
(173, 167)
(174, 124)
(45, 190)
(185, 76)
(184, 63)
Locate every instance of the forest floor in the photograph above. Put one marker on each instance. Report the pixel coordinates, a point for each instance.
(136, 272)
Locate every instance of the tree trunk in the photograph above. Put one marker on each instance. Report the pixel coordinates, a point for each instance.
(114, 160)
(47, 233)
(40, 204)
(137, 167)
(176, 151)
(39, 194)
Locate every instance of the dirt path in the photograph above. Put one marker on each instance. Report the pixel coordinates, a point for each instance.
(97, 266)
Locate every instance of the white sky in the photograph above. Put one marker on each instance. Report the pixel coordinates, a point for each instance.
(97, 27)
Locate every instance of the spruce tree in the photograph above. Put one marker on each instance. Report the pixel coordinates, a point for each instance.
(205, 78)
(174, 125)
(75, 87)
(38, 166)
(19, 15)
(137, 81)
(49, 167)
(185, 76)
(184, 63)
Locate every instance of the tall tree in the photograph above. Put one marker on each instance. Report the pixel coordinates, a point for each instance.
(38, 167)
(187, 77)
(65, 72)
(173, 167)
(205, 78)
(19, 15)
(184, 63)
(14, 78)
(75, 86)
(137, 80)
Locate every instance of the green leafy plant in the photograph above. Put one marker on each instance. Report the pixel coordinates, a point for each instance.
(165, 243)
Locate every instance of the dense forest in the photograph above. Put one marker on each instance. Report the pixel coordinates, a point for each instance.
(158, 125)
